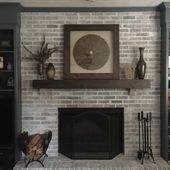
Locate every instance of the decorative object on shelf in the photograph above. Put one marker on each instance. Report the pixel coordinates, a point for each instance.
(5, 45)
(42, 55)
(91, 51)
(35, 146)
(169, 99)
(141, 65)
(1, 63)
(9, 66)
(10, 81)
(145, 149)
(129, 71)
(50, 71)
(169, 70)
(40, 68)
(0, 84)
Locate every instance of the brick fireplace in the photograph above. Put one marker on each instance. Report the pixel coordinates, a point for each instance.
(40, 107)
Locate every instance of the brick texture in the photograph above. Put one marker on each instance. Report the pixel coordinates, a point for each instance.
(40, 107)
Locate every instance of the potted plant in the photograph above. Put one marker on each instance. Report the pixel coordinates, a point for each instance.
(42, 55)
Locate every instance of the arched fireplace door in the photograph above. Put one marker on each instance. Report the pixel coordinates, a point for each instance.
(91, 133)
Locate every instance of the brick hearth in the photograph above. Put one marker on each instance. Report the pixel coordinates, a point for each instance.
(119, 163)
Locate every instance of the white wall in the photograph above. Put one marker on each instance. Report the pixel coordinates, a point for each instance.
(85, 3)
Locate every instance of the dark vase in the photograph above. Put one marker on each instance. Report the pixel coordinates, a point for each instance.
(50, 71)
(141, 65)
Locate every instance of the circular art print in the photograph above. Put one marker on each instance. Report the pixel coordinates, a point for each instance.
(91, 52)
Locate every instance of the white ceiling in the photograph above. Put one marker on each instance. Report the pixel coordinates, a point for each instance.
(87, 3)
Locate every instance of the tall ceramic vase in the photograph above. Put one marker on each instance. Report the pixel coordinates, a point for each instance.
(141, 65)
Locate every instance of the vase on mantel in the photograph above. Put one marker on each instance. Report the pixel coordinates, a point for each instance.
(141, 65)
(50, 71)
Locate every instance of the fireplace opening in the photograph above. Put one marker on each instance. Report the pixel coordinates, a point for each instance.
(91, 133)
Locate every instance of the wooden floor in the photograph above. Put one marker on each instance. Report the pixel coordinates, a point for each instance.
(119, 163)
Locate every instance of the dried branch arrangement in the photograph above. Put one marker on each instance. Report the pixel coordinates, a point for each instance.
(43, 53)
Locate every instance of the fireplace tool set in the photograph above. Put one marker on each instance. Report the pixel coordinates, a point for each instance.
(145, 149)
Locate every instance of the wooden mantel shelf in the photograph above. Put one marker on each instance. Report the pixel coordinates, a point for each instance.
(92, 84)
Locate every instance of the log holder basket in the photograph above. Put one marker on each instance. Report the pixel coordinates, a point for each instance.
(34, 147)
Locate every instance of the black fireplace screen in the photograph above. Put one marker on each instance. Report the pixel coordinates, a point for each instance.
(91, 133)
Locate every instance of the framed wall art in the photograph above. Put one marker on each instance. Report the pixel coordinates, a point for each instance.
(91, 51)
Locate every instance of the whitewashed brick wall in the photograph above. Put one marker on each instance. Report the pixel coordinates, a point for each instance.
(40, 107)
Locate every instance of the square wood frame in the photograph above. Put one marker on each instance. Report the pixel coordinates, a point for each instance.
(114, 29)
